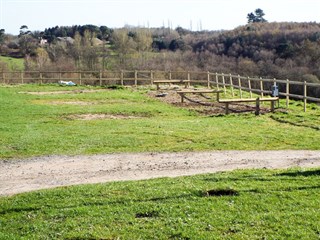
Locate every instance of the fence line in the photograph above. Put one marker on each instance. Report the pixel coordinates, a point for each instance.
(287, 89)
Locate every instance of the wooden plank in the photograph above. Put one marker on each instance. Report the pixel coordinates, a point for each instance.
(247, 100)
(199, 91)
(183, 92)
(158, 82)
(170, 81)
(256, 100)
(237, 100)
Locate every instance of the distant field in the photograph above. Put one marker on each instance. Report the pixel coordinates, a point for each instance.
(14, 64)
(129, 121)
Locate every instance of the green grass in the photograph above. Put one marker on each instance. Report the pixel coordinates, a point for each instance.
(35, 125)
(14, 64)
(282, 204)
(269, 205)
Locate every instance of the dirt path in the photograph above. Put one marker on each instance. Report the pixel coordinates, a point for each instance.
(18, 176)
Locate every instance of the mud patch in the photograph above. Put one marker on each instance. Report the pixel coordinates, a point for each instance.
(221, 192)
(88, 117)
(151, 214)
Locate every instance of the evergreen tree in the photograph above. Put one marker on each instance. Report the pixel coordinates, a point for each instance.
(257, 16)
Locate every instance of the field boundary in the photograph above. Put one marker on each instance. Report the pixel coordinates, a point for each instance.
(307, 92)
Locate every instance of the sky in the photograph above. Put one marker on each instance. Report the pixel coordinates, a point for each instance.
(190, 14)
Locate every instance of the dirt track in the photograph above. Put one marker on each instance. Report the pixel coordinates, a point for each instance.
(18, 176)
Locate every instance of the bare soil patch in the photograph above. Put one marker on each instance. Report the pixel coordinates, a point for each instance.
(25, 175)
(79, 103)
(100, 116)
(65, 92)
(205, 105)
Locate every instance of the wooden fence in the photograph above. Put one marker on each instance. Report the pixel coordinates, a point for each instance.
(287, 89)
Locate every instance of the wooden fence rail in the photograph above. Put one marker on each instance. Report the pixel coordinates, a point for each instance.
(287, 89)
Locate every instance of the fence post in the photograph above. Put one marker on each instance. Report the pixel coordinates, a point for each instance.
(151, 77)
(249, 84)
(261, 87)
(170, 75)
(79, 77)
(208, 79)
(305, 95)
(100, 77)
(21, 75)
(217, 80)
(188, 78)
(240, 88)
(257, 112)
(4, 77)
(224, 85)
(40, 76)
(121, 77)
(231, 85)
(287, 92)
(135, 78)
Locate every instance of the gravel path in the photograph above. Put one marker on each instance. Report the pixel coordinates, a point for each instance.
(25, 175)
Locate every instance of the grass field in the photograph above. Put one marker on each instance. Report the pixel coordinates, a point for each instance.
(262, 205)
(14, 64)
(35, 125)
(265, 204)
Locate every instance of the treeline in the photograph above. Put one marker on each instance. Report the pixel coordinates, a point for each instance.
(270, 50)
(275, 50)
(51, 34)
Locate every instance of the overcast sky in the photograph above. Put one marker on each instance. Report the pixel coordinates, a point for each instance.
(190, 14)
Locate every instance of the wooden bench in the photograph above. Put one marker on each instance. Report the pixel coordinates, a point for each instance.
(244, 100)
(182, 93)
(158, 82)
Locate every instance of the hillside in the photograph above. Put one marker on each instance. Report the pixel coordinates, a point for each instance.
(274, 50)
(280, 50)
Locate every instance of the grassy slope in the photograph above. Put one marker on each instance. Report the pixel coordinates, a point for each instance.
(15, 64)
(269, 205)
(31, 125)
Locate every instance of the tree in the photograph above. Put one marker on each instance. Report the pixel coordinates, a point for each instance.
(143, 39)
(42, 58)
(2, 39)
(257, 16)
(24, 30)
(76, 49)
(123, 43)
(2, 32)
(27, 44)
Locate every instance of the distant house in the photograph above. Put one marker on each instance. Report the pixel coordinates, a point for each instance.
(43, 42)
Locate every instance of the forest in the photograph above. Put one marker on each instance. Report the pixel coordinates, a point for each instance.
(282, 50)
